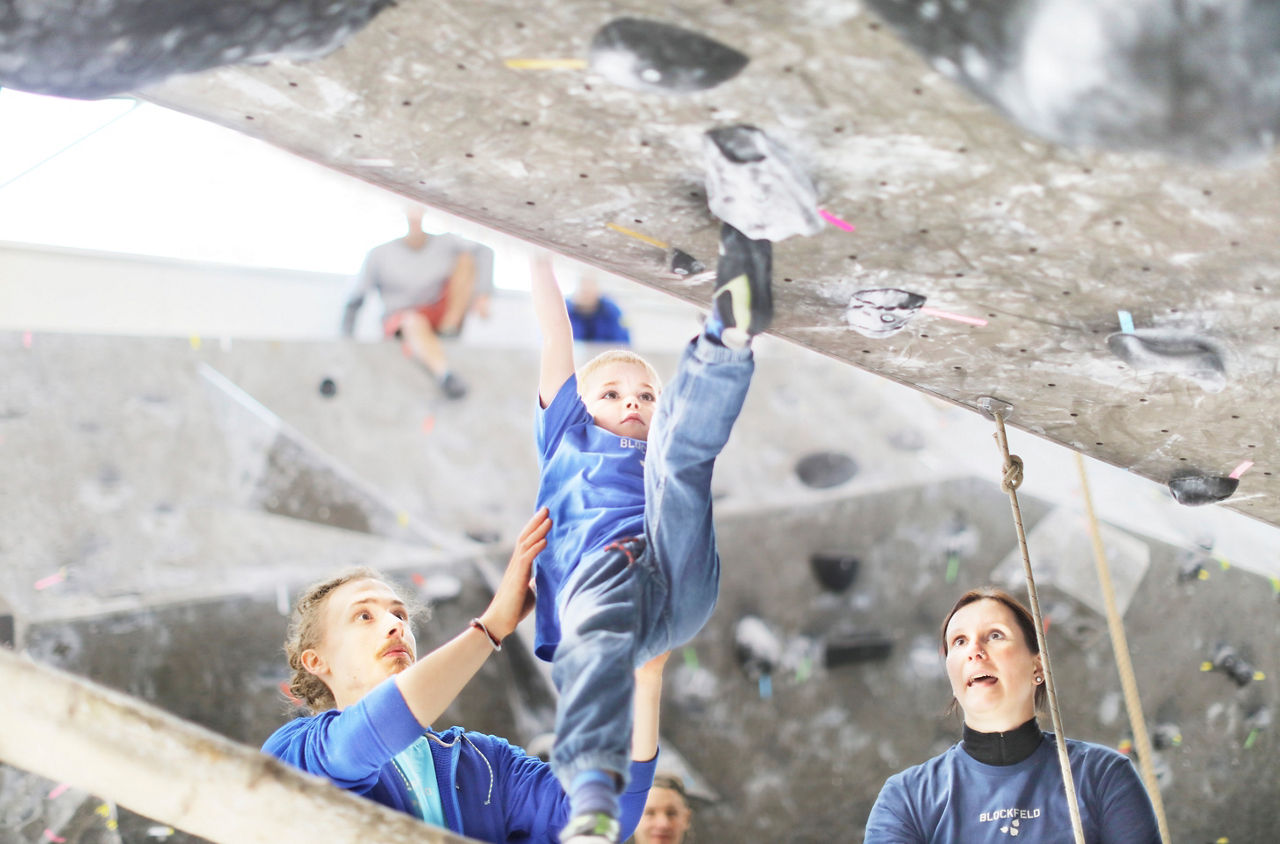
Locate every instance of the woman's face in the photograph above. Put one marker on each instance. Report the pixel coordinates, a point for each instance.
(665, 819)
(991, 667)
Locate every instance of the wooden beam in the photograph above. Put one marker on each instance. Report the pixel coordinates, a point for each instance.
(70, 730)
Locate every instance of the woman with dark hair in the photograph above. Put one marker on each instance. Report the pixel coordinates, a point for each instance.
(1003, 779)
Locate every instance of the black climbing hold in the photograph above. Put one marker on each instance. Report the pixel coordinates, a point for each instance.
(7, 630)
(756, 647)
(836, 572)
(1164, 736)
(682, 263)
(1195, 490)
(91, 50)
(849, 648)
(1193, 80)
(1193, 570)
(1150, 350)
(647, 55)
(1228, 661)
(883, 311)
(754, 186)
(485, 536)
(825, 469)
(328, 388)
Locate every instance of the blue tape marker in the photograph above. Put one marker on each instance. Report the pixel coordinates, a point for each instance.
(766, 686)
(1126, 321)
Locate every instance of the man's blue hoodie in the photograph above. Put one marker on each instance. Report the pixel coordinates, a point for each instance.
(490, 790)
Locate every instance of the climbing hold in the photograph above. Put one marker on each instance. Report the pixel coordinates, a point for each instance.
(485, 536)
(646, 55)
(1194, 570)
(753, 185)
(833, 570)
(1164, 736)
(328, 387)
(756, 647)
(1151, 350)
(109, 47)
(825, 469)
(882, 312)
(684, 264)
(1228, 661)
(849, 648)
(1194, 80)
(1195, 490)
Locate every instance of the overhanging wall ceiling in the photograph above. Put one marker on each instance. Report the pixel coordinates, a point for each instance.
(950, 202)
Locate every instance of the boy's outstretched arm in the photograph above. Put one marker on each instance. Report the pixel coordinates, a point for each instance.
(557, 333)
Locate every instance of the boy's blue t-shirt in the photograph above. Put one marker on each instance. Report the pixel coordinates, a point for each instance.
(955, 799)
(592, 482)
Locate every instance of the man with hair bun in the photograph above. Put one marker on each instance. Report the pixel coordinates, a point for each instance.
(355, 665)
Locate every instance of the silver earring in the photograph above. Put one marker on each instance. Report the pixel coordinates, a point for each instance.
(1039, 680)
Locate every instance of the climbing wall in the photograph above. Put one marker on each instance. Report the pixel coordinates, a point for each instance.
(198, 486)
(1121, 301)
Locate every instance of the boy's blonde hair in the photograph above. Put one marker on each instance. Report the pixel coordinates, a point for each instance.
(618, 356)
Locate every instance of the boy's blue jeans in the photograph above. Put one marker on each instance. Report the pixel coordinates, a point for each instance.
(632, 601)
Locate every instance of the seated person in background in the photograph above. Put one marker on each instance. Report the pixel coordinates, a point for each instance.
(596, 318)
(428, 284)
(355, 665)
(1003, 778)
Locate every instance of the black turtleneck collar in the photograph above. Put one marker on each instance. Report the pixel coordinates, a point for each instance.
(1003, 748)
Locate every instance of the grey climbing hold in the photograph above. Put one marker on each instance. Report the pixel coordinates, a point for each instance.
(754, 186)
(834, 571)
(1152, 350)
(328, 388)
(1195, 79)
(825, 469)
(95, 48)
(1195, 490)
(757, 648)
(684, 264)
(882, 312)
(646, 55)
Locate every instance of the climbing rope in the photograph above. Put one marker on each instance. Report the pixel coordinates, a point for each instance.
(1124, 664)
(1011, 480)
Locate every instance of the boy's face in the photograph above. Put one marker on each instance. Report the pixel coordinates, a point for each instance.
(621, 397)
(367, 639)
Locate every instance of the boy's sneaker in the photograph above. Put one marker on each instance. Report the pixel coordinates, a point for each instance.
(742, 303)
(591, 828)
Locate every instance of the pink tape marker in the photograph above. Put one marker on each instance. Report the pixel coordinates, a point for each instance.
(834, 220)
(50, 835)
(967, 320)
(58, 790)
(53, 579)
(1241, 469)
(26, 339)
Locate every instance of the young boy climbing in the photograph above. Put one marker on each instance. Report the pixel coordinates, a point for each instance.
(631, 568)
